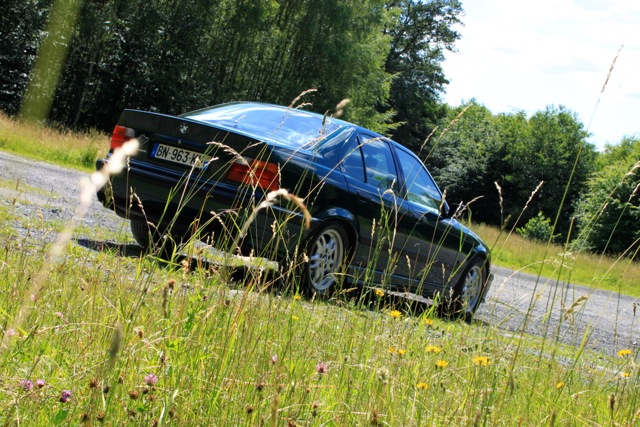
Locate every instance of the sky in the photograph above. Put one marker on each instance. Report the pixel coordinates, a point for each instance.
(516, 55)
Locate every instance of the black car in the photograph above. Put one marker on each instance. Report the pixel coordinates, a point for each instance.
(340, 201)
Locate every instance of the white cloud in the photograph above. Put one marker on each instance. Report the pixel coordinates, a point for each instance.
(528, 55)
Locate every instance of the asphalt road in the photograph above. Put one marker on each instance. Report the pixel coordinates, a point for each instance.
(517, 302)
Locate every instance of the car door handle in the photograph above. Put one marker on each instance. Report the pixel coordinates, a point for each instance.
(363, 196)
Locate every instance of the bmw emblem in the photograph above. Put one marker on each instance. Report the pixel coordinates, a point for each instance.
(184, 128)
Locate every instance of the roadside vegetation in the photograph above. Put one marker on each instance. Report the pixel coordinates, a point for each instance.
(78, 150)
(98, 337)
(102, 333)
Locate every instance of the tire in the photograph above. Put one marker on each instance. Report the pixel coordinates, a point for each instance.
(466, 296)
(154, 242)
(140, 231)
(328, 252)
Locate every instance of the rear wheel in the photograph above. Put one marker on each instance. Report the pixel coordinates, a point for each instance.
(153, 241)
(328, 252)
(467, 294)
(140, 231)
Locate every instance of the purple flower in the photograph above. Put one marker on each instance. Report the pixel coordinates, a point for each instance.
(151, 379)
(321, 368)
(65, 395)
(274, 359)
(27, 385)
(40, 383)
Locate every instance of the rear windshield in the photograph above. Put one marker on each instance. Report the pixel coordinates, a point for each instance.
(268, 122)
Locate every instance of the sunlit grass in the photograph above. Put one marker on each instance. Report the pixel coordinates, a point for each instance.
(94, 337)
(62, 147)
(191, 349)
(599, 271)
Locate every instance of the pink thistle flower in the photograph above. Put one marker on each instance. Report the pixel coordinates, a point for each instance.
(65, 395)
(151, 380)
(27, 385)
(322, 368)
(274, 359)
(40, 383)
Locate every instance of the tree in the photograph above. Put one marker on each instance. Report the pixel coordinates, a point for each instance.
(424, 31)
(22, 24)
(479, 149)
(609, 211)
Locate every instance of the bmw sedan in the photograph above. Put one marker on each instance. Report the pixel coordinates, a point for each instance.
(336, 202)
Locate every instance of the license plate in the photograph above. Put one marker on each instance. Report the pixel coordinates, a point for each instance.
(178, 155)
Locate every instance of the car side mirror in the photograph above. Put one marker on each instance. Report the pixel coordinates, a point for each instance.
(451, 210)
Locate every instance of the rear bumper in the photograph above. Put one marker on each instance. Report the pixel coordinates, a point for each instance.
(185, 206)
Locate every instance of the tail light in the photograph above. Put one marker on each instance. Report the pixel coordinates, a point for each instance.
(256, 173)
(121, 135)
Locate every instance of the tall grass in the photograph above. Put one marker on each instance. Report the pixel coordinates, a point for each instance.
(62, 147)
(143, 343)
(97, 337)
(617, 274)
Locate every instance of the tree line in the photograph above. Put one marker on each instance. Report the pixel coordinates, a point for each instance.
(384, 55)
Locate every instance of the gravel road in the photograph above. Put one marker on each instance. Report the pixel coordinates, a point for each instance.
(606, 321)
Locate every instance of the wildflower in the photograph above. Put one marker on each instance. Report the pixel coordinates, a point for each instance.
(151, 379)
(441, 364)
(27, 385)
(322, 368)
(428, 322)
(391, 350)
(383, 375)
(294, 317)
(433, 349)
(624, 352)
(40, 383)
(625, 374)
(401, 352)
(560, 385)
(59, 314)
(274, 359)
(65, 395)
(422, 386)
(395, 314)
(481, 360)
(379, 293)
(297, 297)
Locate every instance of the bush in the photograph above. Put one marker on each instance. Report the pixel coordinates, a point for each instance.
(538, 228)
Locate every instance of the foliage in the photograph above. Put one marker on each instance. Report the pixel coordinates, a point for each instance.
(520, 154)
(609, 210)
(22, 25)
(425, 30)
(538, 228)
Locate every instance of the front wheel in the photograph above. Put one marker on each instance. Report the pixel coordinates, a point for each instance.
(327, 253)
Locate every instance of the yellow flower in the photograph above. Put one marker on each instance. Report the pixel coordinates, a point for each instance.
(481, 360)
(625, 352)
(297, 297)
(433, 349)
(422, 386)
(428, 322)
(395, 314)
(391, 350)
(294, 317)
(401, 352)
(560, 385)
(625, 374)
(441, 364)
(379, 293)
